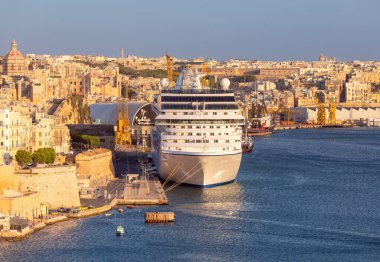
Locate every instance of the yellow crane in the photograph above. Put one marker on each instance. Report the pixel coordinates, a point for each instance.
(123, 135)
(321, 114)
(332, 113)
(169, 69)
(207, 71)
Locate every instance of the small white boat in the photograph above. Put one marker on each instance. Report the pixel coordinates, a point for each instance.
(120, 231)
(108, 214)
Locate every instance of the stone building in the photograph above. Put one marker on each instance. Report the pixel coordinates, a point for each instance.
(273, 74)
(107, 80)
(14, 133)
(357, 92)
(15, 64)
(23, 204)
(94, 168)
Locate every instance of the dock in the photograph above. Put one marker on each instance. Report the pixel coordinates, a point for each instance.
(144, 192)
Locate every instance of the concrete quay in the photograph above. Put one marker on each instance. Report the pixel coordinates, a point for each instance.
(296, 126)
(144, 192)
(14, 235)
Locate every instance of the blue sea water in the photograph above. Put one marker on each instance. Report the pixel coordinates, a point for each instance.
(302, 195)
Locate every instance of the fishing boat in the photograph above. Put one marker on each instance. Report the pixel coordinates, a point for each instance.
(246, 142)
(247, 145)
(120, 231)
(261, 121)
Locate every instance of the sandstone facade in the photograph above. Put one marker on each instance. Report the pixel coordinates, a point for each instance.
(95, 166)
(57, 185)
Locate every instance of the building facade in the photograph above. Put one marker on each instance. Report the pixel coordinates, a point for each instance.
(357, 92)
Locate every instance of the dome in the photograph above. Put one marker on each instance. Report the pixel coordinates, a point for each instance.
(14, 53)
(225, 83)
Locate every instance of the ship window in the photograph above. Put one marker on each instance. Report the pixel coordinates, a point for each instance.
(199, 134)
(199, 141)
(175, 141)
(211, 134)
(227, 141)
(215, 141)
(214, 113)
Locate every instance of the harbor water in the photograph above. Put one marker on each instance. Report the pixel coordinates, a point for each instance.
(302, 195)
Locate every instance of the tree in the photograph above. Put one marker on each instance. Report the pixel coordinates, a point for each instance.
(49, 153)
(23, 157)
(39, 157)
(91, 141)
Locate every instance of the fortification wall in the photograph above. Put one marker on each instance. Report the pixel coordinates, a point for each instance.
(96, 166)
(57, 186)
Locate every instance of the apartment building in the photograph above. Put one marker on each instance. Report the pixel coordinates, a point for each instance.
(14, 133)
(357, 92)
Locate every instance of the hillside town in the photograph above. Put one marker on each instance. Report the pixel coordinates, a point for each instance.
(57, 145)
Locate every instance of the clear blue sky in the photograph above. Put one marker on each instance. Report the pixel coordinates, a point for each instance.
(265, 29)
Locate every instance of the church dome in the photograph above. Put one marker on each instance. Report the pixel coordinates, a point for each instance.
(14, 53)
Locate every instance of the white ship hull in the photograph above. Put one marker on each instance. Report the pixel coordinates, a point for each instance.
(198, 170)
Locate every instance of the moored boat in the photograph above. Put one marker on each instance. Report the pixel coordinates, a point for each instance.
(120, 231)
(197, 137)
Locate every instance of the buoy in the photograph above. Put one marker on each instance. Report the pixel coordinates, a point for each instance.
(120, 210)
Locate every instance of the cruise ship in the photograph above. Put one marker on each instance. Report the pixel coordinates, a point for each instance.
(198, 132)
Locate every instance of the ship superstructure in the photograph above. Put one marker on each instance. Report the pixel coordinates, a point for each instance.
(197, 138)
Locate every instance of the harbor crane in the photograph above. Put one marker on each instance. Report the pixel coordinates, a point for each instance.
(123, 135)
(169, 69)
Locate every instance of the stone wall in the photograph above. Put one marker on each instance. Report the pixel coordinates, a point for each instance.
(56, 185)
(7, 178)
(96, 166)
